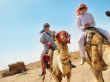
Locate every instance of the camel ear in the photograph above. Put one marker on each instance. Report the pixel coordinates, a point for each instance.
(57, 35)
(8, 65)
(54, 32)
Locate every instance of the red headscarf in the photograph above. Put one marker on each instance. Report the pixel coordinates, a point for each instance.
(78, 8)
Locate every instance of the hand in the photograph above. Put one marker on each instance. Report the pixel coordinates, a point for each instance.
(49, 44)
(87, 25)
(44, 42)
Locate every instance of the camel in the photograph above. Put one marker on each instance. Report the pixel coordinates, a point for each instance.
(60, 65)
(94, 48)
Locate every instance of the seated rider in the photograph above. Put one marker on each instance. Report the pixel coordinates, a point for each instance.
(48, 41)
(84, 21)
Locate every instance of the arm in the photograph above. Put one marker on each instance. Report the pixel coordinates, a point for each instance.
(93, 21)
(79, 24)
(42, 39)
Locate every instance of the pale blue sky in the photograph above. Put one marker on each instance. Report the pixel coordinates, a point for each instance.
(21, 22)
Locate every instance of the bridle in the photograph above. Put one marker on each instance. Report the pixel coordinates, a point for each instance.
(66, 60)
(65, 35)
(64, 38)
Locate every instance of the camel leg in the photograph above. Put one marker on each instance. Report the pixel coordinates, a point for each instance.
(43, 77)
(57, 78)
(69, 77)
(98, 75)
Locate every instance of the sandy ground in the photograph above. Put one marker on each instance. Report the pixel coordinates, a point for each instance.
(82, 73)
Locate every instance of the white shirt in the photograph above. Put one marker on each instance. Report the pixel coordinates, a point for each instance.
(84, 19)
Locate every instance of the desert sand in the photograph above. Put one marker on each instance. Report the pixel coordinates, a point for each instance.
(82, 73)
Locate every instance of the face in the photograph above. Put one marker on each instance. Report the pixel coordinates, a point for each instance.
(46, 29)
(63, 37)
(83, 10)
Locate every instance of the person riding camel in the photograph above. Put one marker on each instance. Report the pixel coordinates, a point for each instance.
(84, 21)
(47, 40)
(49, 43)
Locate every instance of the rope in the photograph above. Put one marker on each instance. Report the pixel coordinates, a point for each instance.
(52, 73)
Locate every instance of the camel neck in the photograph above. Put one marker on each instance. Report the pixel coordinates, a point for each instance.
(64, 51)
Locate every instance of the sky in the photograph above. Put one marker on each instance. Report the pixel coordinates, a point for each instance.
(22, 20)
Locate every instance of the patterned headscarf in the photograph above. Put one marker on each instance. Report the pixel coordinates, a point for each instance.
(80, 6)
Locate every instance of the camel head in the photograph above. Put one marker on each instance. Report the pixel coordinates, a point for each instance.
(63, 37)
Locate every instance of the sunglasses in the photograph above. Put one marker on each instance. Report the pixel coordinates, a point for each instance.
(82, 8)
(46, 26)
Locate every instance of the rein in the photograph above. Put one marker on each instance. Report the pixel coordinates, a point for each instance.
(65, 61)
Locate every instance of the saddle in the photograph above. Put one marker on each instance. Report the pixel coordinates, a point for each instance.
(89, 35)
(47, 58)
(89, 32)
(95, 55)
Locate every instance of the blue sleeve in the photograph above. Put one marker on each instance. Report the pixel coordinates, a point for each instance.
(42, 38)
